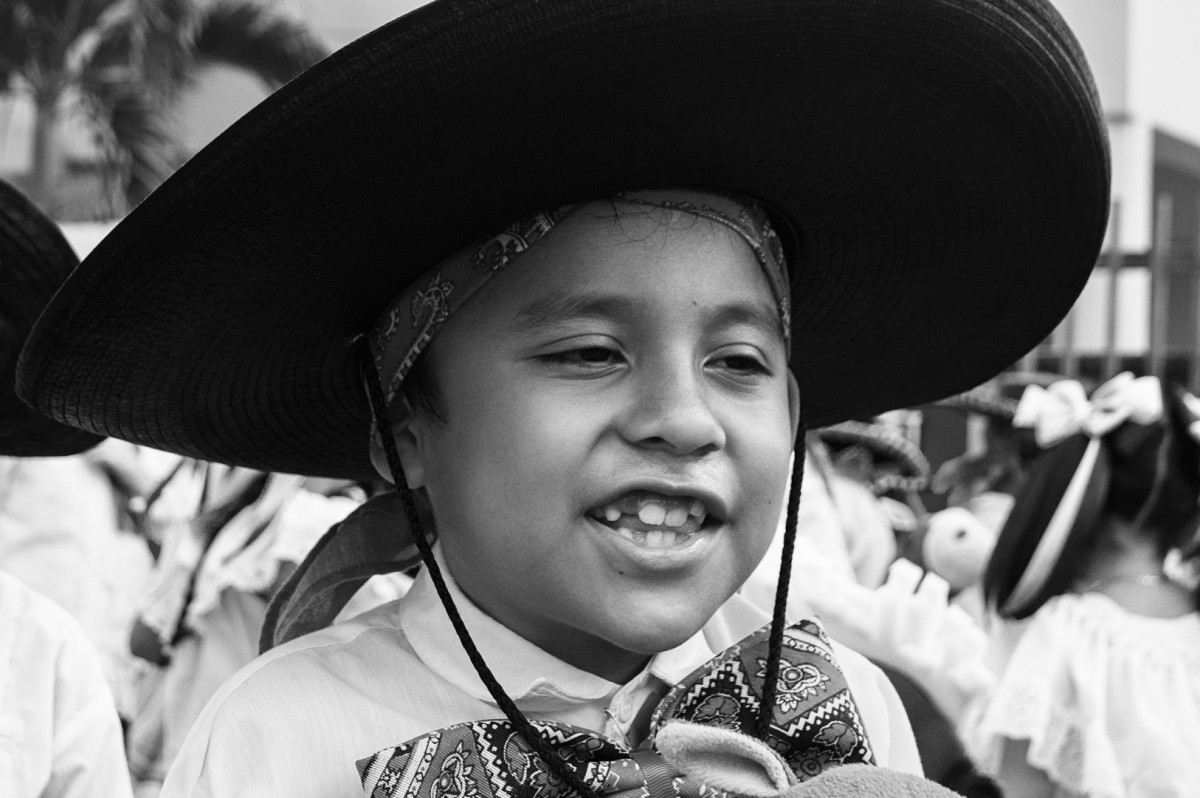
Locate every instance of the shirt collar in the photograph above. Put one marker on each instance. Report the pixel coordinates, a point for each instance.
(530, 675)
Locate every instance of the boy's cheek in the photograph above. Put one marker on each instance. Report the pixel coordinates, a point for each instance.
(767, 485)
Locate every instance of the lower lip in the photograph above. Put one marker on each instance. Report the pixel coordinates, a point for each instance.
(666, 558)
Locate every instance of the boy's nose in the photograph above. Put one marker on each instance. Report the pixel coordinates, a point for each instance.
(671, 411)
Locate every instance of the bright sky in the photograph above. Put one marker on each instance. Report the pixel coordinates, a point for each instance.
(341, 21)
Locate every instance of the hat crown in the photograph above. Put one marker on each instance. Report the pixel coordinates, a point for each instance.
(221, 318)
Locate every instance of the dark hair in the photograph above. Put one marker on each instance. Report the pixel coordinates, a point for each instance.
(420, 389)
(1148, 476)
(1160, 478)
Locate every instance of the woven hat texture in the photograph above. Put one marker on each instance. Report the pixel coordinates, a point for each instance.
(925, 159)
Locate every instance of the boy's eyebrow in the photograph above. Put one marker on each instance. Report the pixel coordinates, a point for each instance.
(549, 311)
(761, 315)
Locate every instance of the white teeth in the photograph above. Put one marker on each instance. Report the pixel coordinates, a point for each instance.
(652, 514)
(660, 540)
(655, 538)
(671, 514)
(676, 517)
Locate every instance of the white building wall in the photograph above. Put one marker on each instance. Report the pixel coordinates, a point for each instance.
(1145, 56)
(1165, 69)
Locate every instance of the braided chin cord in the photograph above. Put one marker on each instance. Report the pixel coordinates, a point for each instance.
(506, 704)
(779, 616)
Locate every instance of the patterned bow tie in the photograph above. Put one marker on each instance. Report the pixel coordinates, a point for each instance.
(815, 725)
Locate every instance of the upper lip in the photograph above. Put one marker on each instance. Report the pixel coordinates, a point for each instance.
(717, 509)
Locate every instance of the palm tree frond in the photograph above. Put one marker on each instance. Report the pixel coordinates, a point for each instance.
(151, 38)
(15, 34)
(147, 145)
(129, 61)
(139, 145)
(37, 38)
(28, 36)
(244, 34)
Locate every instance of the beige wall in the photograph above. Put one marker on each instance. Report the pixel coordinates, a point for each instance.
(339, 22)
(1145, 55)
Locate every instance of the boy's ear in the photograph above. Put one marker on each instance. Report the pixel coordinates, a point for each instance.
(794, 403)
(407, 445)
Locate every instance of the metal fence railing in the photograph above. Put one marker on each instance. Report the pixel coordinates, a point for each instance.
(1140, 313)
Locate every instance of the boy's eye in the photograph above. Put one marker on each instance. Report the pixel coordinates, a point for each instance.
(590, 357)
(742, 363)
(595, 354)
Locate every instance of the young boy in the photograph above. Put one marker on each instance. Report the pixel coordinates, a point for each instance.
(592, 407)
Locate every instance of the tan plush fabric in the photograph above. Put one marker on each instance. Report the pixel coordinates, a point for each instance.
(867, 781)
(742, 765)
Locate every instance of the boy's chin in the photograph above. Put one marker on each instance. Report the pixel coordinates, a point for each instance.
(658, 633)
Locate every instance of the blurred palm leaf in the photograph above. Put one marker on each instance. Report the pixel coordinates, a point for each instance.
(245, 35)
(124, 64)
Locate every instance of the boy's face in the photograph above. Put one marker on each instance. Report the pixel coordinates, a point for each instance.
(618, 431)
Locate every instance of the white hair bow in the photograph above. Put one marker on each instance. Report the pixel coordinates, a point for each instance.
(1063, 409)
(1193, 406)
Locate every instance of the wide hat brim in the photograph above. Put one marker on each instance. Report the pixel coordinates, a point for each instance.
(942, 165)
(35, 259)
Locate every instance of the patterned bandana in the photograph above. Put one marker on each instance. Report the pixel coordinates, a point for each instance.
(816, 726)
(412, 319)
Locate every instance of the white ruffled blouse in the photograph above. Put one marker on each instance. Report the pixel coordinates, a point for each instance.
(1109, 701)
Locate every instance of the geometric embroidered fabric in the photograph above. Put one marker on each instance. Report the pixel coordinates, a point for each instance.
(1109, 701)
(816, 725)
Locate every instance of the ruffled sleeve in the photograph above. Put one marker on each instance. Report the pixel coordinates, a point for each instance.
(1109, 701)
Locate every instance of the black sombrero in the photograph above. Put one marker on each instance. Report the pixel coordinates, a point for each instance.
(927, 159)
(35, 258)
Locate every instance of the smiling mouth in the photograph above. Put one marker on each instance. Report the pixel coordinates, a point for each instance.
(653, 520)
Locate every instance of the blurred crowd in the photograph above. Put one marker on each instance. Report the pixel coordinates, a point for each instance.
(167, 566)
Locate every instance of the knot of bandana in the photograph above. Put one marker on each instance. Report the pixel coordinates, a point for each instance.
(412, 319)
(816, 725)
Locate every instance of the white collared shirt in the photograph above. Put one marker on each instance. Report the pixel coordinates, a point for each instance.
(295, 721)
(60, 736)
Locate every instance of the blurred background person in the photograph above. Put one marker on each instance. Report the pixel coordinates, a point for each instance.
(1094, 578)
(241, 535)
(977, 487)
(60, 734)
(873, 474)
